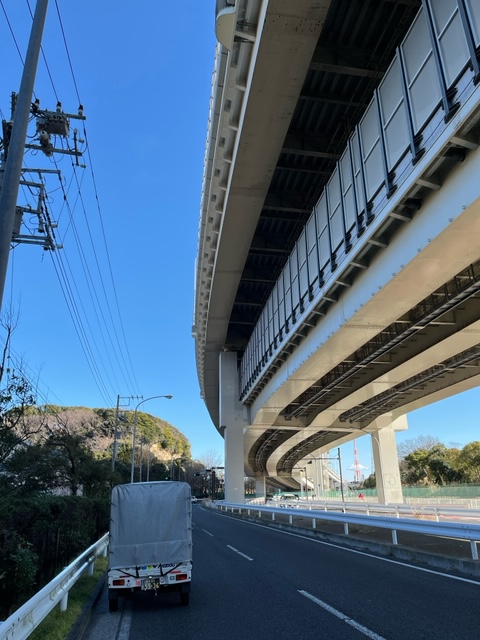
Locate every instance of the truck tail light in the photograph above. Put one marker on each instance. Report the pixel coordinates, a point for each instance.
(181, 576)
(119, 582)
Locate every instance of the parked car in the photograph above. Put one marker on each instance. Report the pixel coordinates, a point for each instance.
(194, 499)
(289, 496)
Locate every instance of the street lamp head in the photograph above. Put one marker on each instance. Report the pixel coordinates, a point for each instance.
(168, 397)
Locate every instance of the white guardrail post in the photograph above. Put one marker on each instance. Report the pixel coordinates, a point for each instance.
(27, 618)
(473, 546)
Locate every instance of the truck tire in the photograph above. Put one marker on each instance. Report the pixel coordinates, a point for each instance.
(184, 598)
(112, 601)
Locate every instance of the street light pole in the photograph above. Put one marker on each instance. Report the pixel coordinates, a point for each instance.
(316, 479)
(148, 463)
(339, 458)
(135, 430)
(341, 475)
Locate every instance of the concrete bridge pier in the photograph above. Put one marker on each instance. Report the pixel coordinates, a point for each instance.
(260, 488)
(324, 477)
(233, 419)
(385, 456)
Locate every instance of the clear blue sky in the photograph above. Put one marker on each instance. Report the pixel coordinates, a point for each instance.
(143, 74)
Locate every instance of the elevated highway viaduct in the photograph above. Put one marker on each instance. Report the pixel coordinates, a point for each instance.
(338, 263)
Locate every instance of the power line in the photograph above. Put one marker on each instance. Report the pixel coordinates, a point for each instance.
(71, 305)
(63, 268)
(11, 31)
(97, 202)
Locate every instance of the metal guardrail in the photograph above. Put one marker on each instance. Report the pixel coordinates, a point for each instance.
(27, 618)
(458, 530)
(413, 510)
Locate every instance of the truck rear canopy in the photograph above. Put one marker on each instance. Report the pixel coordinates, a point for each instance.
(150, 523)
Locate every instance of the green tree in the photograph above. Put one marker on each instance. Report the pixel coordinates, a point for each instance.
(413, 444)
(441, 463)
(71, 456)
(30, 468)
(417, 467)
(468, 462)
(15, 398)
(19, 566)
(96, 477)
(436, 465)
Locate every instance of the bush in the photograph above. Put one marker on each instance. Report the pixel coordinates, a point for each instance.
(40, 535)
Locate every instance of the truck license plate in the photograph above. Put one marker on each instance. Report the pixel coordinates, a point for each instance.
(152, 583)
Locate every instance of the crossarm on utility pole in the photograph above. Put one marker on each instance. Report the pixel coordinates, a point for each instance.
(13, 165)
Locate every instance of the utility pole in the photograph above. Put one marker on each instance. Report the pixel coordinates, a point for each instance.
(13, 165)
(214, 488)
(213, 480)
(48, 123)
(115, 436)
(115, 433)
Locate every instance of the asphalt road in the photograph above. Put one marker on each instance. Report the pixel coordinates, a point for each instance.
(253, 582)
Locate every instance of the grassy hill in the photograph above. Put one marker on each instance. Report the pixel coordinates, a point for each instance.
(97, 427)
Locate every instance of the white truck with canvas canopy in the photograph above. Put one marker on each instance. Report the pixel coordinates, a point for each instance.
(150, 539)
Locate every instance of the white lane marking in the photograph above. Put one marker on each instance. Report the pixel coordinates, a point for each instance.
(207, 532)
(361, 553)
(239, 553)
(356, 625)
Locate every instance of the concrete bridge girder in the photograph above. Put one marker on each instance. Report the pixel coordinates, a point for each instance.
(290, 33)
(394, 375)
(424, 254)
(382, 432)
(379, 298)
(438, 260)
(342, 433)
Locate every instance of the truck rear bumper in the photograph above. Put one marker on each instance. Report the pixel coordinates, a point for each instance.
(183, 588)
(149, 578)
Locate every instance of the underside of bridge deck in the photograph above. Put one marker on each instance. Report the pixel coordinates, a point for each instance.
(273, 194)
(355, 48)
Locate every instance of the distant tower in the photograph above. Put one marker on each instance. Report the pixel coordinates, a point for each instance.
(356, 463)
(356, 466)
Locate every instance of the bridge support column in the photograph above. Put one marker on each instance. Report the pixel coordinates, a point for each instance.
(385, 456)
(232, 418)
(260, 491)
(324, 479)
